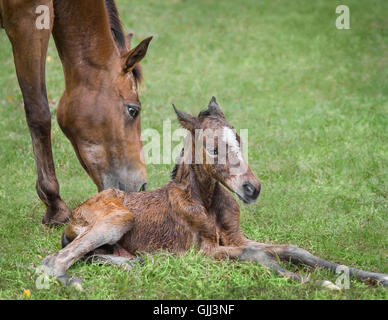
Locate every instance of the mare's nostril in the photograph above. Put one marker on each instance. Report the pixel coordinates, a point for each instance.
(143, 187)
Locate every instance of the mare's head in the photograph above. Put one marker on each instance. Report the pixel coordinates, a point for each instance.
(216, 148)
(100, 110)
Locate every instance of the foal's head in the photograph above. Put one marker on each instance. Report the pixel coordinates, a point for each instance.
(214, 145)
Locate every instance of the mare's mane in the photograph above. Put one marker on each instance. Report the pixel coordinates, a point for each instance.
(117, 32)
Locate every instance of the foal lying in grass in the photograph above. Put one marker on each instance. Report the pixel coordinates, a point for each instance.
(195, 209)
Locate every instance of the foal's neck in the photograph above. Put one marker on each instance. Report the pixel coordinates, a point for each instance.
(84, 41)
(199, 183)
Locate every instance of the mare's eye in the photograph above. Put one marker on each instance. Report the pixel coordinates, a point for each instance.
(132, 110)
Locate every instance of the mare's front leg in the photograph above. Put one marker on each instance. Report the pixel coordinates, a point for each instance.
(29, 46)
(113, 221)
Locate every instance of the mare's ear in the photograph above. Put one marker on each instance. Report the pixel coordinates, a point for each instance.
(134, 56)
(128, 40)
(186, 120)
(214, 109)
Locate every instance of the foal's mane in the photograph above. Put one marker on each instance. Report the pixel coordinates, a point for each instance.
(116, 29)
(174, 171)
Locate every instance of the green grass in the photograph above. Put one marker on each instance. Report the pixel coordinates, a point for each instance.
(315, 101)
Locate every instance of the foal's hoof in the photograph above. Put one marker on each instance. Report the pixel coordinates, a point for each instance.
(75, 283)
(130, 263)
(384, 282)
(327, 285)
(70, 282)
(57, 216)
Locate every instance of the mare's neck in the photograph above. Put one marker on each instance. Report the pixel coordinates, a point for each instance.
(84, 41)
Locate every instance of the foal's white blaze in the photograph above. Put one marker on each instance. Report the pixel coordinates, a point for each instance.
(229, 137)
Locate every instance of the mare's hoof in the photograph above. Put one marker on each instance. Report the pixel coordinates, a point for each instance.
(57, 216)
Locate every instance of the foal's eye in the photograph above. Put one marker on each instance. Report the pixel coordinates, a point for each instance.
(132, 110)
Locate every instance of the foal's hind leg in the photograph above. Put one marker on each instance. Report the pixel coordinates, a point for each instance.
(263, 257)
(114, 223)
(300, 256)
(29, 46)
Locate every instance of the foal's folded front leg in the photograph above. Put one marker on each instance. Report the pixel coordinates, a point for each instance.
(107, 230)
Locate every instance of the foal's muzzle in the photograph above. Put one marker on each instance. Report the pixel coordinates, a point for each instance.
(251, 192)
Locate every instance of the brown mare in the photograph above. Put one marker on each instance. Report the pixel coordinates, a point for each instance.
(99, 111)
(195, 209)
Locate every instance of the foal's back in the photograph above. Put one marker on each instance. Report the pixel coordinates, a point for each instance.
(155, 224)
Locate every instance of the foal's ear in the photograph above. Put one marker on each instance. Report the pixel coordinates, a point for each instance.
(186, 120)
(134, 56)
(214, 108)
